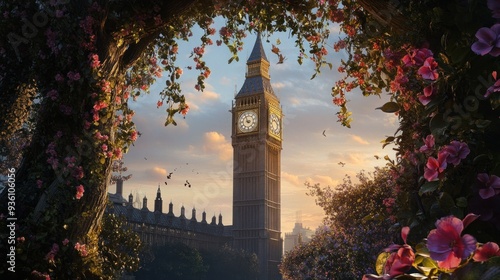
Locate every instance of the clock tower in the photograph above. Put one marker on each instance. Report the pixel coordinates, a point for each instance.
(256, 139)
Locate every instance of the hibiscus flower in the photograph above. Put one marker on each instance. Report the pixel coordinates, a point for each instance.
(446, 244)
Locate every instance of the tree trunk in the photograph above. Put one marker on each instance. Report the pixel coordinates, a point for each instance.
(47, 209)
(385, 13)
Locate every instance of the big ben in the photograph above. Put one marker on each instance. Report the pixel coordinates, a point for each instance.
(257, 131)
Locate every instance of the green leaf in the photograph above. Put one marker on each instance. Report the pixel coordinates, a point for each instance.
(482, 123)
(446, 201)
(389, 107)
(428, 187)
(437, 125)
(488, 270)
(461, 202)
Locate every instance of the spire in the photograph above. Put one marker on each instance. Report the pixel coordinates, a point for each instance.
(258, 50)
(158, 201)
(257, 77)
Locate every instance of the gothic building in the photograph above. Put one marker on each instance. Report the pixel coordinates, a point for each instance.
(257, 143)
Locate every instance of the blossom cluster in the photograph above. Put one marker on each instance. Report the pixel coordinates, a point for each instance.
(446, 244)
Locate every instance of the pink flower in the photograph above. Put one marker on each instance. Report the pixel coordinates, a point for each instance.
(427, 96)
(428, 144)
(435, 167)
(416, 57)
(133, 135)
(456, 151)
(53, 252)
(94, 60)
(74, 76)
(81, 248)
(429, 70)
(488, 250)
(79, 191)
(184, 110)
(490, 185)
(52, 94)
(118, 153)
(445, 243)
(59, 78)
(104, 147)
(402, 260)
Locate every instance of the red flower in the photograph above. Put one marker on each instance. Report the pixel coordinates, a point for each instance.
(488, 250)
(427, 96)
(434, 167)
(401, 260)
(445, 243)
(429, 70)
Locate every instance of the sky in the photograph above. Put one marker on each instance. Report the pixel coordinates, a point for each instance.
(199, 148)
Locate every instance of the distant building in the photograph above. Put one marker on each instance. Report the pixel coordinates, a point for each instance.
(298, 235)
(257, 143)
(158, 228)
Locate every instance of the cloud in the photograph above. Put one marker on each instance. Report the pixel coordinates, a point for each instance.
(359, 139)
(155, 173)
(278, 85)
(214, 142)
(293, 179)
(196, 100)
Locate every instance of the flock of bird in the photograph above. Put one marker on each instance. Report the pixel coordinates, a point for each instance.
(186, 184)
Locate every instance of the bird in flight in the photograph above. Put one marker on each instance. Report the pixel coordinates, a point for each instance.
(145, 158)
(341, 163)
(187, 184)
(324, 132)
(169, 176)
(281, 59)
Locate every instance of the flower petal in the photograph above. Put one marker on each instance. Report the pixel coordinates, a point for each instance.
(471, 217)
(486, 35)
(481, 48)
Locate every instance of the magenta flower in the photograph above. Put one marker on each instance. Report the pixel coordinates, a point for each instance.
(445, 243)
(494, 6)
(434, 167)
(428, 144)
(428, 71)
(456, 152)
(416, 57)
(488, 250)
(79, 191)
(488, 41)
(427, 96)
(490, 187)
(401, 260)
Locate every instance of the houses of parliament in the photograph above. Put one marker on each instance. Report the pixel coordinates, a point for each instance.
(257, 143)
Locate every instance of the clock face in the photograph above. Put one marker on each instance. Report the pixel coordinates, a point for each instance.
(247, 121)
(274, 124)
